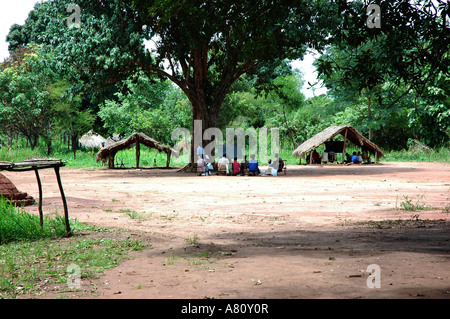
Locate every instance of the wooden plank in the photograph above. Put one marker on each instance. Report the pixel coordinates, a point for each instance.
(5, 165)
(40, 162)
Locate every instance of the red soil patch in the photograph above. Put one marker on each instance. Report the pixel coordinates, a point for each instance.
(312, 233)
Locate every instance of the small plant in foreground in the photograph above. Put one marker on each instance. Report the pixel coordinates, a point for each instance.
(410, 206)
(192, 240)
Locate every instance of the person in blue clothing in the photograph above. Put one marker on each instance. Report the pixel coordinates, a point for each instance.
(253, 166)
(355, 159)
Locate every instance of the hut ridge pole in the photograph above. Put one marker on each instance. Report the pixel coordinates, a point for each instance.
(345, 142)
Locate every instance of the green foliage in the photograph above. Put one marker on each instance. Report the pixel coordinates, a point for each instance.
(25, 104)
(390, 83)
(441, 154)
(431, 115)
(155, 109)
(17, 224)
(395, 70)
(69, 116)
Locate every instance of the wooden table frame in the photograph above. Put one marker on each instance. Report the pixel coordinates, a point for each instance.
(35, 165)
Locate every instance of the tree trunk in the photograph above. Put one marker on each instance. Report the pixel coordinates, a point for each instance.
(74, 141)
(369, 110)
(206, 100)
(207, 120)
(49, 146)
(33, 140)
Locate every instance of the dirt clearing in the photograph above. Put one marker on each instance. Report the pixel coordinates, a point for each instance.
(316, 232)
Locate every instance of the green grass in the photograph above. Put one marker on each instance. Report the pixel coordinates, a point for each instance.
(33, 258)
(435, 155)
(192, 240)
(18, 225)
(85, 158)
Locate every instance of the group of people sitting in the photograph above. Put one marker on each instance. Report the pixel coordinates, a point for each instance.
(315, 158)
(357, 158)
(330, 157)
(245, 167)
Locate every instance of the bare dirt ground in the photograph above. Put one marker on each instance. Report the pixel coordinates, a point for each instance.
(309, 234)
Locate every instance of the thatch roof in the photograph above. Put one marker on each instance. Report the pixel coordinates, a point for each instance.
(92, 140)
(352, 135)
(107, 153)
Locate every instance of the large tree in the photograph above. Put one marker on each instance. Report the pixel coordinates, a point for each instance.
(201, 46)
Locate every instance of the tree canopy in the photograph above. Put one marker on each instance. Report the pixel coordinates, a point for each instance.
(126, 63)
(202, 47)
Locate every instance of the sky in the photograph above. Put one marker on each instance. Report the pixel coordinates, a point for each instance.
(16, 11)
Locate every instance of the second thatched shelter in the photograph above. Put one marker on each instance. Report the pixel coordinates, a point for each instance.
(349, 133)
(92, 140)
(108, 153)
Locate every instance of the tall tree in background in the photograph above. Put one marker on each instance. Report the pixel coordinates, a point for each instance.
(25, 104)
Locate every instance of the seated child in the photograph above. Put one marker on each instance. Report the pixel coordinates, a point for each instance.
(253, 166)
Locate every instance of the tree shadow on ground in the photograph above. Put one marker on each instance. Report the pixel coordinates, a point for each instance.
(292, 171)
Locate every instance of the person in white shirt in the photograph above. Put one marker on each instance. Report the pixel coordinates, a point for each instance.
(223, 161)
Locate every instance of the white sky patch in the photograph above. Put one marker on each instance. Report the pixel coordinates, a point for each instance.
(12, 12)
(309, 73)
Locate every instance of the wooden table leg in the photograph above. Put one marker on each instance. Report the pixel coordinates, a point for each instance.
(41, 215)
(66, 211)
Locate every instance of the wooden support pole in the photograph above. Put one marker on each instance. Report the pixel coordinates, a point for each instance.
(343, 149)
(168, 160)
(66, 210)
(111, 161)
(138, 152)
(41, 214)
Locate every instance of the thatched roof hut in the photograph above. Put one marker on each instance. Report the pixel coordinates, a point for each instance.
(349, 133)
(92, 140)
(108, 153)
